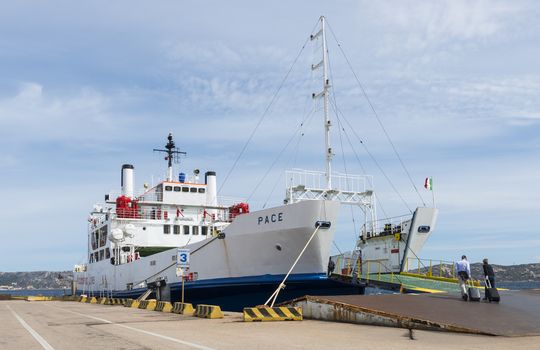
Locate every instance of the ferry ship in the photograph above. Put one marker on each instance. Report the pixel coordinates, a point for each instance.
(178, 239)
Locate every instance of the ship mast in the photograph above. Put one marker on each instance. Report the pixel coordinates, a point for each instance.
(172, 154)
(324, 94)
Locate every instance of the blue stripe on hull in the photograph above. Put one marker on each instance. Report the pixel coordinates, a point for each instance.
(233, 294)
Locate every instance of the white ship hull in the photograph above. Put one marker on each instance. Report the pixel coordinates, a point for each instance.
(390, 253)
(255, 254)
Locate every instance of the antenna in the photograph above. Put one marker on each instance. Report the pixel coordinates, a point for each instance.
(173, 155)
(324, 95)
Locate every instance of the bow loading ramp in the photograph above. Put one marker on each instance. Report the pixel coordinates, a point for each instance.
(518, 313)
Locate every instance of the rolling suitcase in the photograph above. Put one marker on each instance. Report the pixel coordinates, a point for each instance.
(492, 294)
(474, 293)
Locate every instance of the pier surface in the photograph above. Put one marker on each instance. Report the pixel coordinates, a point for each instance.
(518, 314)
(70, 325)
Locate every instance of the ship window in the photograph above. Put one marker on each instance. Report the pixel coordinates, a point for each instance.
(91, 259)
(177, 189)
(168, 188)
(107, 253)
(204, 230)
(96, 256)
(186, 229)
(176, 229)
(201, 190)
(195, 230)
(166, 229)
(185, 189)
(101, 254)
(193, 190)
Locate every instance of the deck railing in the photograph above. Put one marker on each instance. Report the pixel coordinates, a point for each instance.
(422, 267)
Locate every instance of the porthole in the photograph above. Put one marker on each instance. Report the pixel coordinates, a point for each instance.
(278, 247)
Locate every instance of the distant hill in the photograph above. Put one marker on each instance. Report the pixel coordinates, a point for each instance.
(36, 279)
(511, 273)
(62, 279)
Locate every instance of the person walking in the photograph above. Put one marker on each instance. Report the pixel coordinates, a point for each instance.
(488, 275)
(463, 269)
(331, 266)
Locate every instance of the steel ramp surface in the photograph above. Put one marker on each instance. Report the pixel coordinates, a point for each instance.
(518, 313)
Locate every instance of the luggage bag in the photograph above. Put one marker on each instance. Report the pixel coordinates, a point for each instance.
(474, 293)
(492, 294)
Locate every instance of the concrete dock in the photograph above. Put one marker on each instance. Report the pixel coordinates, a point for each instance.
(69, 325)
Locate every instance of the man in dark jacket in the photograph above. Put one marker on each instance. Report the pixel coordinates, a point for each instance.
(331, 266)
(489, 274)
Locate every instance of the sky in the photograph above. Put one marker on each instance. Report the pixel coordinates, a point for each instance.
(88, 86)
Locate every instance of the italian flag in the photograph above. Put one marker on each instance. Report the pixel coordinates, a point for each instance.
(428, 184)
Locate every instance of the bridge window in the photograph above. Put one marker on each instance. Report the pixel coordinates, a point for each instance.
(201, 190)
(185, 189)
(204, 230)
(166, 229)
(168, 188)
(176, 229)
(177, 189)
(193, 190)
(195, 230)
(186, 229)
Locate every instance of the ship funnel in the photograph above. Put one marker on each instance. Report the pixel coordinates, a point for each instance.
(211, 188)
(127, 180)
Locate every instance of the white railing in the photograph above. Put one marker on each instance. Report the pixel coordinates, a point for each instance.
(387, 226)
(317, 179)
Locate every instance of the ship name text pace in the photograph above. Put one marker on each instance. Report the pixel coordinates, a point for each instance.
(275, 217)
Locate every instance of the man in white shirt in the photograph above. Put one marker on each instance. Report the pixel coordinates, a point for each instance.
(463, 269)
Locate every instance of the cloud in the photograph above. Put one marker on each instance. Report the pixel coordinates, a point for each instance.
(34, 112)
(432, 24)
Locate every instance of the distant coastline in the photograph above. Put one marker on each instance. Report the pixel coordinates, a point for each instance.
(524, 276)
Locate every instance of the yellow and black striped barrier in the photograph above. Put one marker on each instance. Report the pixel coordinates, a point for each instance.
(102, 300)
(183, 308)
(149, 304)
(92, 300)
(134, 304)
(209, 311)
(129, 302)
(38, 298)
(163, 306)
(83, 299)
(266, 313)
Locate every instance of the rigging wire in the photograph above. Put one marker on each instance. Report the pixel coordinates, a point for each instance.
(376, 115)
(337, 111)
(279, 155)
(266, 110)
(334, 101)
(339, 250)
(308, 119)
(375, 162)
